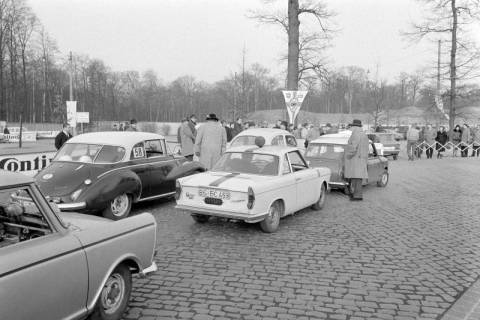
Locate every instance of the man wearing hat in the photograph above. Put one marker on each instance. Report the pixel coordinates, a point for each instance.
(211, 141)
(356, 155)
(133, 125)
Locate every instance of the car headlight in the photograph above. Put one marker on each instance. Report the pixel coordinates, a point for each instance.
(76, 194)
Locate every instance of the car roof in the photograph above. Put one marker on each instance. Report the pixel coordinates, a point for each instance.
(267, 133)
(117, 138)
(10, 179)
(334, 138)
(273, 150)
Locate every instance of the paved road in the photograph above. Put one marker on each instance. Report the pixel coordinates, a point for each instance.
(408, 251)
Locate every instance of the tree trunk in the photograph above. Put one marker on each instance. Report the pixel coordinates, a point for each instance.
(453, 71)
(293, 45)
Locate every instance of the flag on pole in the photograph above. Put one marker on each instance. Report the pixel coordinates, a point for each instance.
(72, 113)
(293, 101)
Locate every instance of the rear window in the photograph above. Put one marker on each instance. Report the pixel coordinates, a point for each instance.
(243, 141)
(325, 151)
(248, 162)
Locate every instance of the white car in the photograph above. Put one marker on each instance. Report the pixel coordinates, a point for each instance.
(254, 184)
(273, 137)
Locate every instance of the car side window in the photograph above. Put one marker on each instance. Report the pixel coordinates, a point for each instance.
(291, 141)
(21, 219)
(286, 166)
(153, 148)
(278, 141)
(138, 151)
(296, 161)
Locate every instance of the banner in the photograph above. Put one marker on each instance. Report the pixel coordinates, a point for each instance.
(27, 163)
(293, 101)
(72, 113)
(83, 117)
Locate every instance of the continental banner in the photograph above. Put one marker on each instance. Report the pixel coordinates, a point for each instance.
(27, 163)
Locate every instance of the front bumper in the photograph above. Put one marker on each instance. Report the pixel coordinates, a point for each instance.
(153, 268)
(73, 206)
(250, 218)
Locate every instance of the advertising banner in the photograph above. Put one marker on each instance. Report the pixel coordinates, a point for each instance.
(293, 101)
(72, 113)
(83, 117)
(27, 163)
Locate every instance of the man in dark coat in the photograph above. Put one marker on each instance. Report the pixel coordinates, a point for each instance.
(356, 156)
(63, 136)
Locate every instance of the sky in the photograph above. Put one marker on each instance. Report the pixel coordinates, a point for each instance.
(206, 38)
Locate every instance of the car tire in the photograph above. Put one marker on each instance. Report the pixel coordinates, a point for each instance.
(119, 207)
(115, 294)
(271, 222)
(383, 180)
(200, 218)
(321, 199)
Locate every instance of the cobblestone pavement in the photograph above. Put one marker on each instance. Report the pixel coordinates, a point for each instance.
(408, 251)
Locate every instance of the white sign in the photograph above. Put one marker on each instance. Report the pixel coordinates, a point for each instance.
(27, 163)
(83, 117)
(72, 113)
(293, 101)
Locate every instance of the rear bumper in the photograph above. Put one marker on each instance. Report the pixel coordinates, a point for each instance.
(334, 185)
(152, 268)
(73, 206)
(250, 218)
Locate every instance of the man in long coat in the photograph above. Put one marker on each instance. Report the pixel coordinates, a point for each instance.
(211, 141)
(356, 156)
(187, 140)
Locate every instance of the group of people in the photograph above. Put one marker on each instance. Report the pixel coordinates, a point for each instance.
(429, 139)
(126, 126)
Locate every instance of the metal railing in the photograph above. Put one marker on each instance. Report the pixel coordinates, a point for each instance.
(454, 148)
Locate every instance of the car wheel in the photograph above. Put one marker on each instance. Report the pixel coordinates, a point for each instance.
(271, 222)
(114, 296)
(200, 218)
(321, 199)
(119, 207)
(383, 180)
(395, 156)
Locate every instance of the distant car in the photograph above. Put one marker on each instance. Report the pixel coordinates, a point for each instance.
(273, 137)
(391, 146)
(254, 185)
(328, 151)
(70, 265)
(108, 171)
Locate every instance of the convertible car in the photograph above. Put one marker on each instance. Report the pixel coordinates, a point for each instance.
(108, 171)
(67, 265)
(254, 184)
(328, 151)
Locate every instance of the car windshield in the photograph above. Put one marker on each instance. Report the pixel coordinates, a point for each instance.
(90, 153)
(248, 162)
(324, 151)
(243, 141)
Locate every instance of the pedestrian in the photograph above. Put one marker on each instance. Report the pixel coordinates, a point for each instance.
(228, 130)
(465, 140)
(297, 131)
(475, 132)
(429, 139)
(456, 138)
(413, 135)
(277, 124)
(5, 130)
(187, 140)
(63, 136)
(283, 125)
(304, 131)
(192, 123)
(441, 139)
(356, 156)
(237, 127)
(313, 133)
(211, 141)
(133, 125)
(179, 136)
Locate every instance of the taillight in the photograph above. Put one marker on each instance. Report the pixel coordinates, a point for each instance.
(251, 198)
(178, 190)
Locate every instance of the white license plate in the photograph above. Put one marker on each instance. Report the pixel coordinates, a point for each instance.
(212, 193)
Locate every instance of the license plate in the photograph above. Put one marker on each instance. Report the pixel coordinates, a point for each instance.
(211, 193)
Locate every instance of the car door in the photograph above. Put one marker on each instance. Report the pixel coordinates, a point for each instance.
(162, 163)
(305, 180)
(287, 180)
(142, 167)
(373, 164)
(43, 274)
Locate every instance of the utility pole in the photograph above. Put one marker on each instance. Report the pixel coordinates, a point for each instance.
(234, 97)
(70, 76)
(33, 96)
(438, 67)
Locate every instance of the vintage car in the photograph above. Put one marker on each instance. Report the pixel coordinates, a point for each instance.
(108, 171)
(328, 151)
(58, 265)
(273, 137)
(391, 146)
(254, 184)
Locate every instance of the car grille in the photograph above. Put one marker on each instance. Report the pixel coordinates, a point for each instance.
(215, 201)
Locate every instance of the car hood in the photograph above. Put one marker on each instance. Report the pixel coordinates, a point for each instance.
(82, 221)
(62, 178)
(225, 180)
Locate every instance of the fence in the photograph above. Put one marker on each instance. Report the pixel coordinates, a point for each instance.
(474, 147)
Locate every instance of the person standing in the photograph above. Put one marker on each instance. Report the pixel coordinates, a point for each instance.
(456, 138)
(412, 139)
(475, 133)
(133, 125)
(228, 130)
(465, 138)
(211, 141)
(429, 137)
(441, 139)
(63, 136)
(193, 124)
(237, 127)
(356, 156)
(187, 140)
(5, 130)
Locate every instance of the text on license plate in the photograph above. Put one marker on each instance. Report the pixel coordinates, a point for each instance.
(211, 193)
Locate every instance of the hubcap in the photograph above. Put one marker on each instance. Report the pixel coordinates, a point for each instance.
(113, 293)
(384, 178)
(119, 205)
(272, 214)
